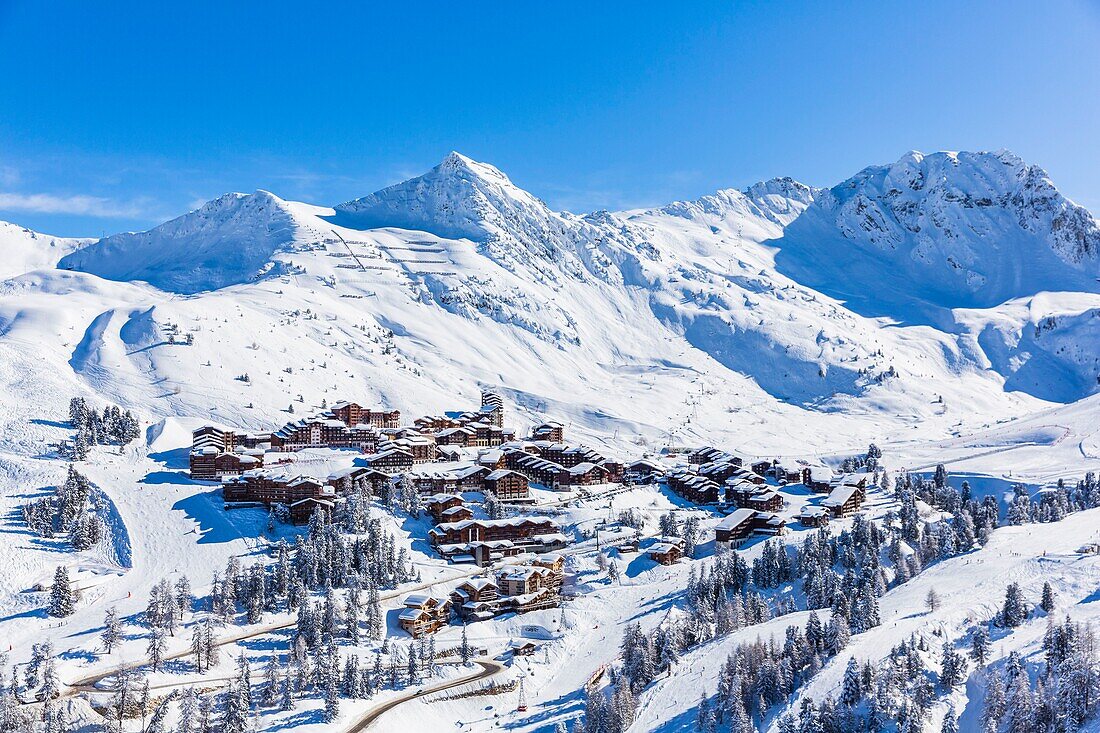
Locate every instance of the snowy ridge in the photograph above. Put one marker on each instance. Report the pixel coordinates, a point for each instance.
(940, 231)
(229, 240)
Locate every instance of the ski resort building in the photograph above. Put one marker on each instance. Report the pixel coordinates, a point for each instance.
(485, 540)
(507, 485)
(263, 486)
(844, 499)
(734, 529)
(813, 516)
(424, 614)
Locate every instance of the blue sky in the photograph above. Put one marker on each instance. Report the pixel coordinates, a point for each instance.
(120, 115)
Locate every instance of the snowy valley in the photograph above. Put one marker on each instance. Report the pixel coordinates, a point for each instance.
(943, 310)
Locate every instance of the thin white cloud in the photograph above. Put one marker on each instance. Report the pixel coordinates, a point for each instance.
(81, 205)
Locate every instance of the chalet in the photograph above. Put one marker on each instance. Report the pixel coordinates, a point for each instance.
(391, 461)
(438, 503)
(582, 474)
(537, 469)
(507, 485)
(813, 516)
(422, 448)
(786, 475)
(555, 564)
(322, 432)
(430, 483)
(693, 487)
(708, 454)
(451, 453)
(471, 478)
(207, 464)
(524, 579)
(268, 487)
(476, 599)
(765, 501)
(552, 431)
(760, 468)
(817, 478)
(358, 479)
(352, 415)
(216, 453)
(537, 601)
(491, 459)
(456, 514)
(461, 436)
(735, 528)
(424, 614)
(485, 540)
(859, 480)
(665, 553)
(844, 500)
(522, 647)
(644, 470)
(302, 510)
(768, 524)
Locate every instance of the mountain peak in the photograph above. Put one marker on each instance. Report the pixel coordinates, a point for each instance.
(225, 241)
(459, 198)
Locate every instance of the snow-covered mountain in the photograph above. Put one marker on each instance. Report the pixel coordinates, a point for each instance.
(22, 250)
(941, 306)
(793, 287)
(229, 240)
(933, 232)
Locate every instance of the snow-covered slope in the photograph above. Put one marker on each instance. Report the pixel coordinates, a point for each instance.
(22, 250)
(229, 240)
(771, 321)
(941, 231)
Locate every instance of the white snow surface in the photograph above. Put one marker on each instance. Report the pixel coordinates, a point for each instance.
(944, 307)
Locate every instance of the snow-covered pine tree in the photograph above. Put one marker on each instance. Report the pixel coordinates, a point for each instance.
(62, 596)
(1014, 612)
(112, 630)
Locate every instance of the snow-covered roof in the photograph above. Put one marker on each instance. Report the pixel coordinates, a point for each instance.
(840, 496)
(736, 519)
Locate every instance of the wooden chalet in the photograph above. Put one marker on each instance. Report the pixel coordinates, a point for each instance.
(761, 468)
(817, 478)
(843, 500)
(582, 474)
(551, 431)
(693, 487)
(422, 448)
(644, 470)
(555, 564)
(303, 509)
(813, 516)
(424, 614)
(391, 461)
(522, 579)
(351, 414)
(735, 528)
(768, 524)
(437, 504)
(262, 486)
(507, 485)
(765, 501)
(484, 540)
(539, 600)
(665, 553)
(707, 454)
(476, 599)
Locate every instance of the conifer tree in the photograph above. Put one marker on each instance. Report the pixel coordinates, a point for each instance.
(62, 597)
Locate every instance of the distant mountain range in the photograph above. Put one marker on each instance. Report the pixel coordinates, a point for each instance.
(960, 275)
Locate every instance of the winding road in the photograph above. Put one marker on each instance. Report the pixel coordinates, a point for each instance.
(364, 721)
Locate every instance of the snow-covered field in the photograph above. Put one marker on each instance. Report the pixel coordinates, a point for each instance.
(953, 323)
